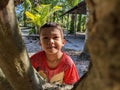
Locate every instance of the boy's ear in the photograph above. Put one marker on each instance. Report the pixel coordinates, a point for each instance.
(39, 43)
(64, 41)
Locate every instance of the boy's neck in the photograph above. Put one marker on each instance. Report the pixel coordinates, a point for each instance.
(53, 60)
(54, 57)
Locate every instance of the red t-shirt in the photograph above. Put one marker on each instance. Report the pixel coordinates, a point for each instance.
(66, 65)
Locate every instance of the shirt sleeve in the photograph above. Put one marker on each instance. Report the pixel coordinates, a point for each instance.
(71, 75)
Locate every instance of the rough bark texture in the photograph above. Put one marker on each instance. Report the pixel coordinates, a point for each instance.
(104, 46)
(4, 84)
(14, 60)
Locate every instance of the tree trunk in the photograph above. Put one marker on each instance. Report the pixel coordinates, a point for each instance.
(104, 46)
(71, 31)
(14, 60)
(79, 23)
(4, 84)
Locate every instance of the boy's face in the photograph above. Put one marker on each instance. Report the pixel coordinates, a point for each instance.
(51, 40)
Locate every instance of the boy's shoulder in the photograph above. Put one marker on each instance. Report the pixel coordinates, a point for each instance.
(67, 59)
(37, 55)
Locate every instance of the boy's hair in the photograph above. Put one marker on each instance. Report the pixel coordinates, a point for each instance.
(52, 24)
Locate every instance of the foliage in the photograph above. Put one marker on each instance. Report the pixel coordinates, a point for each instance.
(27, 4)
(40, 14)
(36, 16)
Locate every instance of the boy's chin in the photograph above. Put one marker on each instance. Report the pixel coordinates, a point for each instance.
(52, 52)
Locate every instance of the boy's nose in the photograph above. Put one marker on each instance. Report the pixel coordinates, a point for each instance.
(51, 40)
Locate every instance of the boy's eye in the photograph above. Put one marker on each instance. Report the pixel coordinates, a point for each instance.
(56, 37)
(45, 37)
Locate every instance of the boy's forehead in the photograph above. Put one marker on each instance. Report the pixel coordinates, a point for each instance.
(48, 30)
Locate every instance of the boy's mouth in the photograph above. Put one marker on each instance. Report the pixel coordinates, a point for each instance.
(51, 47)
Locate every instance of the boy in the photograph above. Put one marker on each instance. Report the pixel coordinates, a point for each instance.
(52, 63)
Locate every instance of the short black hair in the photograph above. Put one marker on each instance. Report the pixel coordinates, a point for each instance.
(52, 24)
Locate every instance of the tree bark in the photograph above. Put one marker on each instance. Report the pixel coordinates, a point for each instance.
(14, 60)
(104, 46)
(4, 84)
